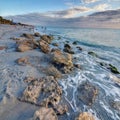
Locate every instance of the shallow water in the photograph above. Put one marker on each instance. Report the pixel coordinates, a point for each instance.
(106, 44)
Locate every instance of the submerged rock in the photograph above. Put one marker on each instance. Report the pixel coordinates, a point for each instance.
(93, 54)
(75, 42)
(27, 35)
(37, 34)
(55, 44)
(112, 68)
(45, 114)
(87, 93)
(23, 61)
(44, 46)
(79, 48)
(85, 116)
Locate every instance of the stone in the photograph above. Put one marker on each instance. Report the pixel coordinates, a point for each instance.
(93, 54)
(61, 109)
(77, 66)
(68, 49)
(87, 93)
(27, 35)
(45, 114)
(44, 46)
(79, 48)
(75, 42)
(29, 79)
(23, 48)
(116, 105)
(52, 71)
(37, 34)
(85, 116)
(32, 92)
(55, 44)
(47, 38)
(22, 61)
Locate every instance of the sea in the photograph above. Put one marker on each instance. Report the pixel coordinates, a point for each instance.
(106, 44)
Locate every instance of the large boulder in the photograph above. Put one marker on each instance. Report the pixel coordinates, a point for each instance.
(87, 93)
(85, 116)
(44, 46)
(45, 114)
(62, 59)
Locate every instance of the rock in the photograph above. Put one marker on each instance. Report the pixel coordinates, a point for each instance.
(59, 57)
(44, 46)
(85, 116)
(77, 66)
(79, 48)
(29, 79)
(115, 79)
(45, 114)
(52, 71)
(75, 42)
(27, 35)
(22, 61)
(23, 48)
(116, 105)
(47, 38)
(112, 68)
(87, 93)
(68, 49)
(55, 44)
(37, 34)
(2, 47)
(32, 92)
(93, 54)
(61, 109)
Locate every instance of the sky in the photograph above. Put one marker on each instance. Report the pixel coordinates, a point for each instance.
(56, 8)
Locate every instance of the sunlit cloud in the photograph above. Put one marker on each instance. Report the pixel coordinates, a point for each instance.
(89, 1)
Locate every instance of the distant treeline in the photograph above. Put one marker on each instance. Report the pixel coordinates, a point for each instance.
(10, 22)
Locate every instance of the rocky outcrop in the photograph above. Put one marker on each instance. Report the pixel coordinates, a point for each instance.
(62, 60)
(68, 49)
(85, 116)
(47, 38)
(87, 93)
(44, 46)
(45, 114)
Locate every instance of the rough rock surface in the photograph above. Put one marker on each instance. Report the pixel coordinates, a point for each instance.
(45, 114)
(37, 34)
(85, 116)
(68, 49)
(27, 35)
(87, 93)
(47, 38)
(22, 61)
(44, 46)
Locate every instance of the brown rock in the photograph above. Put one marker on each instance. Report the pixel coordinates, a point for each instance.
(2, 47)
(27, 35)
(85, 116)
(37, 34)
(47, 38)
(87, 93)
(22, 61)
(45, 114)
(44, 46)
(68, 49)
(23, 48)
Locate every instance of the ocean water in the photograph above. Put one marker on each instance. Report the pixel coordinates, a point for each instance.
(106, 44)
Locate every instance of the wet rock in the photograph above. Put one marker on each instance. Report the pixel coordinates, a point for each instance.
(112, 68)
(116, 105)
(62, 59)
(68, 49)
(23, 61)
(29, 79)
(79, 48)
(55, 44)
(75, 42)
(77, 66)
(85, 116)
(37, 34)
(47, 38)
(23, 48)
(61, 109)
(2, 47)
(87, 93)
(52, 71)
(93, 54)
(115, 79)
(32, 92)
(45, 114)
(44, 46)
(27, 35)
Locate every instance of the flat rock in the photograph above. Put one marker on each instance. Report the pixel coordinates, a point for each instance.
(87, 93)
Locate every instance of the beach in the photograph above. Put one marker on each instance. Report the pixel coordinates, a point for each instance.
(47, 72)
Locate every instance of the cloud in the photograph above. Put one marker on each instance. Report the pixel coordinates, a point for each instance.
(68, 13)
(101, 7)
(89, 1)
